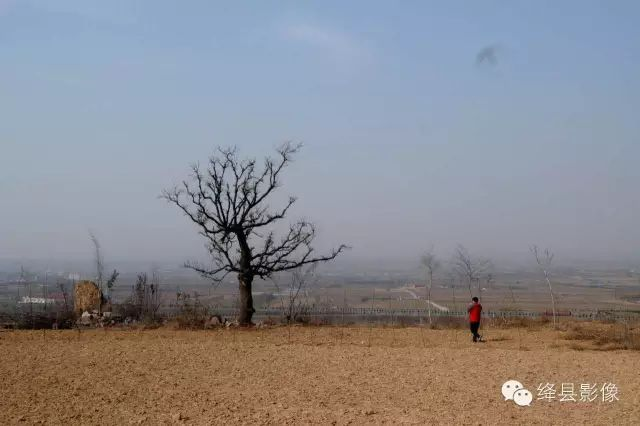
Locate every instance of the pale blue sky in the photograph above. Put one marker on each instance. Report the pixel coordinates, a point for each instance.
(408, 142)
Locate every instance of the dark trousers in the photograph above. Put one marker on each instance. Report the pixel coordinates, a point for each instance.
(474, 326)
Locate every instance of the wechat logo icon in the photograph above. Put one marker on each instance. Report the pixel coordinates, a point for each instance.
(515, 391)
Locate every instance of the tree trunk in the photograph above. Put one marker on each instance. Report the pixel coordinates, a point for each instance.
(429, 294)
(245, 278)
(246, 299)
(553, 299)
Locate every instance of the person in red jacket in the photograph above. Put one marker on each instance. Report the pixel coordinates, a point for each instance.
(475, 312)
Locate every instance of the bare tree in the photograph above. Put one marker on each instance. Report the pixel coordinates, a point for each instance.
(544, 261)
(140, 294)
(292, 301)
(99, 261)
(111, 282)
(154, 298)
(65, 295)
(431, 264)
(146, 296)
(228, 203)
(469, 268)
(489, 280)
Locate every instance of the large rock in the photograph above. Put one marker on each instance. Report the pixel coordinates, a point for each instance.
(213, 322)
(87, 297)
(86, 318)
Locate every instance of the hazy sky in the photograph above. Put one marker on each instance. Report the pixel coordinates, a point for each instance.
(410, 141)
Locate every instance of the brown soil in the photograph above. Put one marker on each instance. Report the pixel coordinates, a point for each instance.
(303, 375)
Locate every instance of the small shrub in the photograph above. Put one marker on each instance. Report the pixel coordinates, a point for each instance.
(519, 322)
(191, 313)
(606, 336)
(269, 321)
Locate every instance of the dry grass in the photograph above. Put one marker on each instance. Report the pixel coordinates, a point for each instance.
(518, 322)
(501, 338)
(576, 347)
(605, 335)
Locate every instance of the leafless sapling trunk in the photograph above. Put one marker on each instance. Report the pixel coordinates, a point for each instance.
(469, 268)
(293, 302)
(24, 278)
(228, 203)
(65, 295)
(154, 294)
(99, 261)
(544, 261)
(431, 264)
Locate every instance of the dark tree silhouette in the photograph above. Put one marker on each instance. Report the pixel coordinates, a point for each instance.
(228, 203)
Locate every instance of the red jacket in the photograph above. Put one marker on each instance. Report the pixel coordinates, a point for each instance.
(474, 310)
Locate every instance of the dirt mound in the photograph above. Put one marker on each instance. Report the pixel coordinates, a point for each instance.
(87, 297)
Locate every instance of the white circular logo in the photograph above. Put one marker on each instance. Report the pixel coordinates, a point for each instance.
(509, 387)
(522, 397)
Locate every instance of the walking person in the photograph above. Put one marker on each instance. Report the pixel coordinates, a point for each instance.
(475, 312)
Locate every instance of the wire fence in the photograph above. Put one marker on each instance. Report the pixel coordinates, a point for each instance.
(47, 316)
(383, 315)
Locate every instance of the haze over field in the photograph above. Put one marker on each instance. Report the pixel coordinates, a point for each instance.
(494, 125)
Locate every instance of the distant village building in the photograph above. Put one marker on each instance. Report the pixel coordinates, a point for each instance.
(37, 300)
